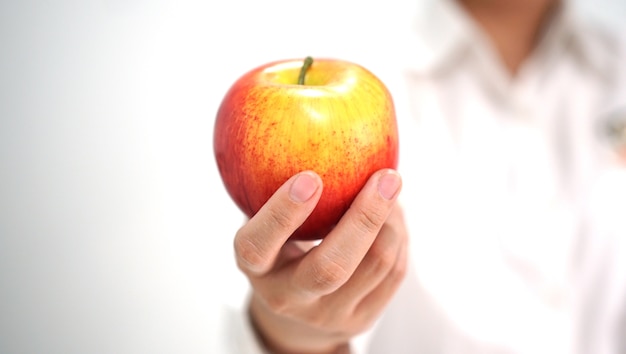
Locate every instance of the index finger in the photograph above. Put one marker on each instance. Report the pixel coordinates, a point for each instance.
(259, 241)
(330, 265)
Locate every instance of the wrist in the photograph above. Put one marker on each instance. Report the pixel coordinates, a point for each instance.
(280, 335)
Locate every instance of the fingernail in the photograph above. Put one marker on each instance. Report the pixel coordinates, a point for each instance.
(388, 185)
(303, 187)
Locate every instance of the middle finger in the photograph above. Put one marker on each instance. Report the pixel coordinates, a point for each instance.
(331, 264)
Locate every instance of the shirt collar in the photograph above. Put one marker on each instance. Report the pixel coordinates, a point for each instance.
(590, 42)
(440, 30)
(443, 32)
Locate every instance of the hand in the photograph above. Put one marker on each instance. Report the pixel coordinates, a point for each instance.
(313, 300)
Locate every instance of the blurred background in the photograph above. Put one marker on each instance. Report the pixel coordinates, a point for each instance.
(115, 230)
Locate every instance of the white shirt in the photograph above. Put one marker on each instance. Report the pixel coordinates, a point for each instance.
(514, 199)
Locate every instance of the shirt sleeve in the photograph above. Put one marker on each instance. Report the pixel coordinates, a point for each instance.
(600, 304)
(238, 336)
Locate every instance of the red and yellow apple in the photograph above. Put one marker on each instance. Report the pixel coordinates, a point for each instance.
(332, 116)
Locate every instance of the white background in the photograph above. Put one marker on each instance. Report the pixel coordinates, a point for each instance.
(115, 230)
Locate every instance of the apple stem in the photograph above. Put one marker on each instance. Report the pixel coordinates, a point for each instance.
(307, 63)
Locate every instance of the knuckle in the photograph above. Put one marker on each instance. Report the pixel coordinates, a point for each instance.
(328, 319)
(327, 275)
(318, 318)
(278, 303)
(383, 259)
(398, 271)
(280, 218)
(368, 219)
(383, 254)
(248, 254)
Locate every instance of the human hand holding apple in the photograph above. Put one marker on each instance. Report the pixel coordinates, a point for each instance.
(282, 131)
(315, 300)
(332, 117)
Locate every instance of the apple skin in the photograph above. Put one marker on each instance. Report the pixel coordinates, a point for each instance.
(341, 124)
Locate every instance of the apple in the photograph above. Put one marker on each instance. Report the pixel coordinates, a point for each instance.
(330, 116)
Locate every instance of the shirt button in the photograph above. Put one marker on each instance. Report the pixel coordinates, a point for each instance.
(615, 132)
